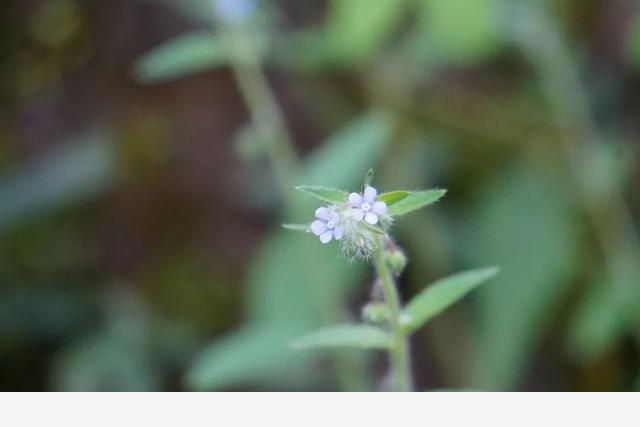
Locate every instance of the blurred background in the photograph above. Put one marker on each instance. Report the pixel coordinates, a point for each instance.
(149, 149)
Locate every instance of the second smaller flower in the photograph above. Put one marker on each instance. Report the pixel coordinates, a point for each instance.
(327, 224)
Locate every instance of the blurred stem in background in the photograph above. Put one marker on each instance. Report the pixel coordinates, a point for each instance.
(269, 124)
(263, 107)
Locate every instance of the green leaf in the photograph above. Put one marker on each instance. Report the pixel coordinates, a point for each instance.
(597, 323)
(330, 195)
(76, 171)
(348, 335)
(524, 223)
(180, 57)
(393, 197)
(250, 354)
(459, 30)
(443, 293)
(609, 309)
(416, 200)
(296, 227)
(345, 157)
(358, 28)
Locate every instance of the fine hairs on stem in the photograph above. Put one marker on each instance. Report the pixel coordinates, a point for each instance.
(400, 354)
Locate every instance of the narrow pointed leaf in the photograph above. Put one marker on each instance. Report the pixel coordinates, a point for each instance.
(347, 335)
(180, 57)
(416, 200)
(368, 178)
(443, 293)
(325, 194)
(296, 227)
(393, 197)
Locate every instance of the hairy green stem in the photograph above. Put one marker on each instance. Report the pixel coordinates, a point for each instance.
(399, 352)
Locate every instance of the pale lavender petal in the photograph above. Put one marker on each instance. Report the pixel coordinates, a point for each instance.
(333, 216)
(370, 195)
(326, 236)
(371, 218)
(337, 233)
(322, 213)
(357, 214)
(379, 208)
(318, 227)
(355, 199)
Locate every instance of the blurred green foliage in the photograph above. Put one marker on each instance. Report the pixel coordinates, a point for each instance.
(140, 238)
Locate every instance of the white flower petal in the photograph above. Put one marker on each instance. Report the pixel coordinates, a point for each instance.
(370, 195)
(337, 233)
(326, 236)
(357, 214)
(379, 208)
(318, 227)
(371, 218)
(355, 199)
(322, 213)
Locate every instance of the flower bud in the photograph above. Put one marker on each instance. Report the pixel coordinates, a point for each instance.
(375, 312)
(397, 260)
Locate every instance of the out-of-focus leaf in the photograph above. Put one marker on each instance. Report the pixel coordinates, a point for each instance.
(358, 28)
(440, 295)
(393, 197)
(348, 335)
(180, 57)
(330, 195)
(355, 31)
(597, 323)
(36, 316)
(295, 284)
(610, 308)
(80, 169)
(522, 223)
(117, 358)
(460, 30)
(415, 200)
(249, 355)
(349, 153)
(103, 363)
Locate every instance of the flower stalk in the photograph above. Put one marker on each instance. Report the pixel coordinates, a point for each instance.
(399, 353)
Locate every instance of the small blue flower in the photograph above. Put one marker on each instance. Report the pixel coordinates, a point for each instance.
(367, 206)
(327, 225)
